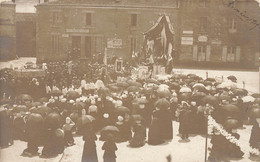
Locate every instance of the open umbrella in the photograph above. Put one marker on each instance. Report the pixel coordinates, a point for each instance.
(198, 96)
(212, 100)
(211, 79)
(230, 108)
(55, 92)
(114, 88)
(163, 86)
(122, 84)
(175, 86)
(109, 128)
(255, 112)
(20, 108)
(154, 81)
(162, 103)
(224, 97)
(239, 92)
(24, 98)
(74, 116)
(79, 106)
(141, 100)
(43, 110)
(43, 99)
(231, 124)
(73, 95)
(232, 78)
(52, 121)
(104, 91)
(198, 85)
(134, 83)
(247, 99)
(133, 89)
(34, 120)
(121, 109)
(257, 101)
(84, 120)
(163, 92)
(256, 95)
(184, 96)
(185, 90)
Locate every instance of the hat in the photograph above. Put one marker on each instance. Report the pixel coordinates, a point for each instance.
(72, 101)
(120, 118)
(106, 116)
(63, 100)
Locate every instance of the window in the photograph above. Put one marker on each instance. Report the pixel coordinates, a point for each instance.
(231, 53)
(203, 24)
(55, 43)
(56, 18)
(202, 53)
(98, 44)
(133, 19)
(232, 23)
(133, 45)
(88, 19)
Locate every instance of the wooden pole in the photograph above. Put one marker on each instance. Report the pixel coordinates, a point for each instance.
(206, 143)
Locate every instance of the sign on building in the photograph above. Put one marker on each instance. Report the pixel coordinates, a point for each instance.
(143, 72)
(114, 43)
(202, 38)
(187, 40)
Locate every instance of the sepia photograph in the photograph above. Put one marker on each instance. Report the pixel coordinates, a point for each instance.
(129, 80)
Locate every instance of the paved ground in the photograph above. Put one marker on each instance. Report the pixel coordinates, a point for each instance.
(193, 151)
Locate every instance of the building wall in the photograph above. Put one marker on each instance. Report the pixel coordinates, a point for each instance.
(107, 23)
(221, 33)
(7, 30)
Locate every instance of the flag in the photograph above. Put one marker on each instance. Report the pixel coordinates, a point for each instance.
(105, 57)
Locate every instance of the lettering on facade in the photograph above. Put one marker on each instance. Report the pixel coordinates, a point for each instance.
(202, 38)
(187, 40)
(77, 30)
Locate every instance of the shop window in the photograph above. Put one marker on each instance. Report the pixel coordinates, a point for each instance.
(133, 45)
(133, 19)
(88, 19)
(202, 53)
(231, 53)
(203, 24)
(56, 18)
(55, 43)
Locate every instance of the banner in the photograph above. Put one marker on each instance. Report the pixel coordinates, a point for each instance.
(143, 72)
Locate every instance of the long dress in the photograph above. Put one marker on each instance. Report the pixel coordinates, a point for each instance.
(89, 151)
(255, 136)
(165, 121)
(109, 154)
(154, 136)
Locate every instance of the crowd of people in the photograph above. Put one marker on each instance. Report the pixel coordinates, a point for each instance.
(48, 111)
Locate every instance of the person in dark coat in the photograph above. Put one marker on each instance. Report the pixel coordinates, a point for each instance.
(254, 140)
(125, 133)
(5, 128)
(138, 139)
(89, 151)
(154, 135)
(165, 121)
(110, 148)
(184, 119)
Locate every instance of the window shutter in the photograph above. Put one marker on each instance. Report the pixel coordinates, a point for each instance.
(238, 54)
(224, 54)
(195, 52)
(208, 53)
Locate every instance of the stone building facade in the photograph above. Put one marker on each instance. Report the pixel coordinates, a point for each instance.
(220, 32)
(93, 25)
(7, 31)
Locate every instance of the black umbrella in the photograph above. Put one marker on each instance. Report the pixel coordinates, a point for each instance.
(232, 78)
(162, 103)
(212, 100)
(230, 108)
(52, 121)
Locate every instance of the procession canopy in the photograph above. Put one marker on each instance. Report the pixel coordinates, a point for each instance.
(159, 40)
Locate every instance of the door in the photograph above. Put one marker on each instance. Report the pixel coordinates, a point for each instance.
(76, 46)
(88, 46)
